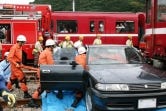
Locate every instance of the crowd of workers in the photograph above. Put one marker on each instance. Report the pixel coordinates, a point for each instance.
(11, 67)
(46, 57)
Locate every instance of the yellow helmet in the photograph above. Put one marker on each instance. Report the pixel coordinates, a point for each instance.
(129, 36)
(98, 35)
(81, 37)
(67, 38)
(40, 38)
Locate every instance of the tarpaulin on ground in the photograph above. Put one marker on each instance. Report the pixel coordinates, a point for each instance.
(162, 109)
(51, 103)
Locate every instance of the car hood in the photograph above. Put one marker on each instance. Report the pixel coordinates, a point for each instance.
(125, 73)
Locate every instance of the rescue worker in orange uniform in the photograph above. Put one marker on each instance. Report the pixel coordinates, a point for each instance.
(15, 59)
(80, 59)
(45, 58)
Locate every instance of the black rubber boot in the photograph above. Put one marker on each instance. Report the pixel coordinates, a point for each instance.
(32, 104)
(17, 84)
(59, 94)
(27, 95)
(76, 101)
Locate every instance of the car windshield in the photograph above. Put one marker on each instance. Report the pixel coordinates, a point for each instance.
(64, 54)
(112, 54)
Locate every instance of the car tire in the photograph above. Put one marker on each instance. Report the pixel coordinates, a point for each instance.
(88, 100)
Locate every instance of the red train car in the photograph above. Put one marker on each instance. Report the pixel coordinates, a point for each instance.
(114, 27)
(155, 32)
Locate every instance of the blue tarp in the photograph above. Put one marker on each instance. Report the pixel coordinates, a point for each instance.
(51, 103)
(163, 109)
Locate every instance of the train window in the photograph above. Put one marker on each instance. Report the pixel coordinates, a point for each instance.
(124, 26)
(67, 26)
(101, 26)
(148, 11)
(6, 12)
(92, 26)
(5, 33)
(161, 10)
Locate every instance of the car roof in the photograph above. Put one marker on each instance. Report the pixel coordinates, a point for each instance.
(108, 45)
(111, 45)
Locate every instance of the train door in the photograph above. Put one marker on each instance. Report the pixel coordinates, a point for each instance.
(97, 26)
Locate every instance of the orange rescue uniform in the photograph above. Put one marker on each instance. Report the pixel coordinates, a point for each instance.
(15, 57)
(46, 57)
(81, 59)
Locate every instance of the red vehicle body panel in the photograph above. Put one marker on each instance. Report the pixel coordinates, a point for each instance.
(155, 32)
(30, 20)
(24, 27)
(110, 20)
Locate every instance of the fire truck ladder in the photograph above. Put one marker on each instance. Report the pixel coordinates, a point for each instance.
(20, 17)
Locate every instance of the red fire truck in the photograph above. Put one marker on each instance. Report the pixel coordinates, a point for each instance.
(155, 32)
(29, 20)
(114, 27)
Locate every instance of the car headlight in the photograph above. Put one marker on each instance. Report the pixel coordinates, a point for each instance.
(163, 85)
(112, 87)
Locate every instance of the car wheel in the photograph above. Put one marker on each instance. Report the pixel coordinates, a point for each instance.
(88, 100)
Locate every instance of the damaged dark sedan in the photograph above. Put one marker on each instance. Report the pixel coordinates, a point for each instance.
(119, 80)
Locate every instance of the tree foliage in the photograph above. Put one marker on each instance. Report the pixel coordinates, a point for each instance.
(96, 5)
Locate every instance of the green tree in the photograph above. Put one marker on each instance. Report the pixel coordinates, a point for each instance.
(96, 5)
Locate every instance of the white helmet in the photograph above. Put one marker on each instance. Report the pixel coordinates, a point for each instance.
(81, 50)
(6, 54)
(50, 42)
(21, 38)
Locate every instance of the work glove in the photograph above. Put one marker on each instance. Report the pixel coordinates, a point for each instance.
(9, 98)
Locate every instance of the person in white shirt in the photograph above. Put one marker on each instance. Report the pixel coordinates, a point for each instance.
(5, 73)
(79, 42)
(129, 41)
(67, 43)
(37, 50)
(98, 40)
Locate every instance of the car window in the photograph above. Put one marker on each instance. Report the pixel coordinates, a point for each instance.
(106, 55)
(113, 54)
(132, 55)
(65, 54)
